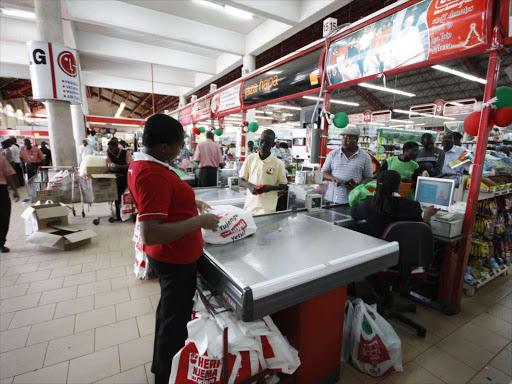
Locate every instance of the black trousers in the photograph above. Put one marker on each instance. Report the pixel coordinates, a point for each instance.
(31, 169)
(19, 174)
(208, 177)
(178, 286)
(5, 213)
(122, 183)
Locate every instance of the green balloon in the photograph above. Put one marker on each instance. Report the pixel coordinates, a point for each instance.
(202, 129)
(186, 136)
(504, 95)
(219, 132)
(253, 127)
(341, 120)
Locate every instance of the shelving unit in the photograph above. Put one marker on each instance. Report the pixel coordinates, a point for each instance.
(471, 289)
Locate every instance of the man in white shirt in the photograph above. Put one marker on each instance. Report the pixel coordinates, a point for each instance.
(451, 153)
(84, 150)
(93, 140)
(15, 150)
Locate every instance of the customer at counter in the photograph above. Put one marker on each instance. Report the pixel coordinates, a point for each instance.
(430, 158)
(263, 175)
(451, 153)
(387, 206)
(250, 148)
(404, 164)
(348, 167)
(170, 228)
(209, 157)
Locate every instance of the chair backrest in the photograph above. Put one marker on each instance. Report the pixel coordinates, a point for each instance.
(415, 239)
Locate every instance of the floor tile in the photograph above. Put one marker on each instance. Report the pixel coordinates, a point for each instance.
(445, 366)
(110, 298)
(109, 255)
(491, 375)
(501, 312)
(110, 273)
(503, 362)
(32, 316)
(51, 330)
(347, 374)
(82, 260)
(66, 271)
(408, 352)
(82, 278)
(155, 299)
(94, 367)
(13, 291)
(132, 376)
(19, 269)
(136, 352)
(463, 350)
(483, 338)
(125, 281)
(9, 380)
(13, 339)
(146, 324)
(58, 263)
(7, 281)
(414, 374)
(56, 374)
(70, 347)
(509, 347)
(507, 301)
(45, 285)
(116, 333)
(19, 303)
(13, 262)
(41, 258)
(5, 320)
(95, 318)
(133, 308)
(58, 295)
(74, 306)
(494, 324)
(93, 288)
(364, 378)
(147, 288)
(96, 266)
(22, 360)
(33, 276)
(408, 334)
(125, 260)
(150, 376)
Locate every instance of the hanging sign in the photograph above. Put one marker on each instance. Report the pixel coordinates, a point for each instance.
(201, 109)
(459, 107)
(226, 100)
(426, 30)
(381, 116)
(356, 118)
(295, 76)
(185, 115)
(54, 72)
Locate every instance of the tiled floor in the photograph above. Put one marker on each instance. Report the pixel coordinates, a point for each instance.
(81, 317)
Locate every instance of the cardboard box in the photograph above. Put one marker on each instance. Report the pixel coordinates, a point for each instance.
(96, 170)
(47, 225)
(99, 188)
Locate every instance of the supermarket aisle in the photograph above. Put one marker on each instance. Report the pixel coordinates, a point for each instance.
(81, 317)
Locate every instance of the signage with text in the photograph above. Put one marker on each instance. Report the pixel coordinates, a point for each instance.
(226, 100)
(201, 110)
(54, 72)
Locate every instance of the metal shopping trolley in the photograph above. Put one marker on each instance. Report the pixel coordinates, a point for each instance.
(55, 183)
(101, 188)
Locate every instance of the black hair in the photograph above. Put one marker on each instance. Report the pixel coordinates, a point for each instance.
(85, 141)
(449, 134)
(250, 142)
(123, 143)
(6, 143)
(425, 135)
(410, 145)
(209, 135)
(269, 132)
(113, 143)
(162, 129)
(283, 145)
(388, 183)
(502, 149)
(92, 133)
(457, 135)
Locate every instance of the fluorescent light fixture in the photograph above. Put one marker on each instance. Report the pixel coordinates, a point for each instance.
(378, 124)
(402, 121)
(210, 4)
(261, 112)
(120, 110)
(238, 12)
(19, 13)
(265, 117)
(397, 126)
(288, 114)
(420, 124)
(332, 101)
(422, 114)
(460, 74)
(285, 107)
(455, 103)
(274, 72)
(385, 89)
(452, 122)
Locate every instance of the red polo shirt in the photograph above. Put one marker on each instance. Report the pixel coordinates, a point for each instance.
(160, 194)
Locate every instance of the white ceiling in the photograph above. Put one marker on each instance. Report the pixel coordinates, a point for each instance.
(189, 42)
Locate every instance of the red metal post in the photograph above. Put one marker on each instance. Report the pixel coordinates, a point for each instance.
(476, 178)
(153, 89)
(324, 133)
(243, 149)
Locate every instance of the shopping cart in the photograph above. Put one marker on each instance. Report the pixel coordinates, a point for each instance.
(55, 183)
(95, 192)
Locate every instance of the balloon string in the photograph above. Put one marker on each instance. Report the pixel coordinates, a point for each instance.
(490, 103)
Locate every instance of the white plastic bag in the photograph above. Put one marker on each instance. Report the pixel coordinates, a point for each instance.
(234, 224)
(141, 266)
(375, 347)
(127, 206)
(347, 326)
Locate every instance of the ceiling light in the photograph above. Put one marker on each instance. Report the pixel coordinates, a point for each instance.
(285, 107)
(397, 126)
(238, 12)
(420, 124)
(261, 112)
(210, 4)
(332, 101)
(422, 114)
(265, 117)
(19, 13)
(402, 121)
(120, 110)
(378, 124)
(288, 114)
(386, 89)
(455, 103)
(460, 74)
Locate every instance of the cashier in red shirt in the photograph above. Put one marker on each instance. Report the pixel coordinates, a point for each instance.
(170, 228)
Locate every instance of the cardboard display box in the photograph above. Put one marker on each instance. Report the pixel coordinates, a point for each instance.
(99, 188)
(47, 225)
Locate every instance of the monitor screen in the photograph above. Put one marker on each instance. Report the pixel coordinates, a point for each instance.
(434, 191)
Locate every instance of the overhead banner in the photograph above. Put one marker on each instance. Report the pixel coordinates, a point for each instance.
(226, 100)
(54, 72)
(201, 109)
(295, 76)
(185, 115)
(427, 30)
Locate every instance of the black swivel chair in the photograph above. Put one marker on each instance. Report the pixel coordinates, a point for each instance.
(416, 243)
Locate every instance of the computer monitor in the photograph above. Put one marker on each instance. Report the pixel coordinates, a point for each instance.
(437, 192)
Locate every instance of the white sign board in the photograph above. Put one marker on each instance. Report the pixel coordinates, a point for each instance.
(226, 100)
(54, 72)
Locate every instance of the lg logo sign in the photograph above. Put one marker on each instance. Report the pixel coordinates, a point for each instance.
(39, 56)
(65, 60)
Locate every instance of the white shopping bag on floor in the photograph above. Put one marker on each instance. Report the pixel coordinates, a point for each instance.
(234, 224)
(375, 347)
(347, 327)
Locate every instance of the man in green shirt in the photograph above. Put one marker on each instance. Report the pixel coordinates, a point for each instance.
(405, 163)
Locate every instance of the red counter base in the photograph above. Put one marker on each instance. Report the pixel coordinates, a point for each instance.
(315, 329)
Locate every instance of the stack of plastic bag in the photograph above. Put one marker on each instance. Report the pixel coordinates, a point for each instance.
(127, 206)
(253, 347)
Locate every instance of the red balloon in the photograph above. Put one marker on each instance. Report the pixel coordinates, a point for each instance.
(502, 117)
(471, 123)
(196, 131)
(246, 123)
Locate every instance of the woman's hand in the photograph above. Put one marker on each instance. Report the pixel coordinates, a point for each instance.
(203, 207)
(209, 221)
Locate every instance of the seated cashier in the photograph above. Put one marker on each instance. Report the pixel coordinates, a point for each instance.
(387, 206)
(263, 175)
(405, 163)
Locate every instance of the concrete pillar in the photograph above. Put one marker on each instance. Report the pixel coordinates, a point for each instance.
(78, 113)
(183, 101)
(249, 64)
(49, 28)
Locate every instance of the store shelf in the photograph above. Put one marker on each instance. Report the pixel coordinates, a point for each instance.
(470, 289)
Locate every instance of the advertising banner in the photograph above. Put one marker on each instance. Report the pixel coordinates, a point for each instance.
(226, 100)
(426, 30)
(201, 110)
(295, 76)
(185, 115)
(54, 72)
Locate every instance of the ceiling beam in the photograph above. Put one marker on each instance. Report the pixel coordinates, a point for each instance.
(139, 104)
(287, 12)
(115, 102)
(112, 96)
(369, 98)
(18, 92)
(99, 94)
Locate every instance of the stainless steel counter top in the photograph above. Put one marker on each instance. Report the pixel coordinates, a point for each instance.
(220, 196)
